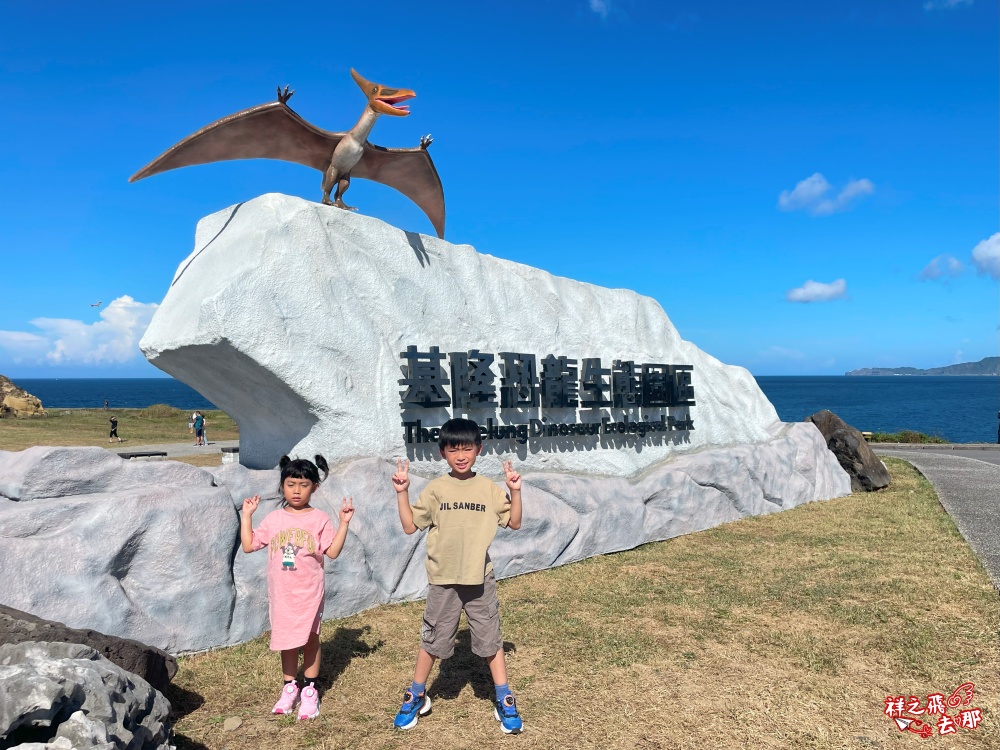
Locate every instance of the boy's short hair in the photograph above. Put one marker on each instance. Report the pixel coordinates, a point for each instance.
(458, 432)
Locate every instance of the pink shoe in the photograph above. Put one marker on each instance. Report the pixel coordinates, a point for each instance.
(309, 707)
(289, 694)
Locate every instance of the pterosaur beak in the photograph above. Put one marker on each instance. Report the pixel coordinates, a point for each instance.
(383, 99)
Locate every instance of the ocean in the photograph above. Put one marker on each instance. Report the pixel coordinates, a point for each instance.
(120, 393)
(961, 409)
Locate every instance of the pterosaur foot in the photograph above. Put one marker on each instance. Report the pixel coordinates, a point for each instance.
(426, 141)
(340, 204)
(284, 96)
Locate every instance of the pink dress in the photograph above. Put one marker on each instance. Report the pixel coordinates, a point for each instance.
(296, 543)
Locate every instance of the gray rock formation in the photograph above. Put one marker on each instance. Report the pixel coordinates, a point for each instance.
(154, 665)
(66, 696)
(866, 470)
(136, 550)
(17, 402)
(160, 563)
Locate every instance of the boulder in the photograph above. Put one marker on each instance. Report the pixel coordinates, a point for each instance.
(66, 696)
(137, 550)
(15, 402)
(154, 665)
(866, 470)
(310, 363)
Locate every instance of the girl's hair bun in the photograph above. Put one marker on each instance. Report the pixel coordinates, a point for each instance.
(283, 462)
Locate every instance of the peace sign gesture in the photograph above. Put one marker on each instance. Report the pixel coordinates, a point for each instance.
(401, 479)
(347, 510)
(512, 477)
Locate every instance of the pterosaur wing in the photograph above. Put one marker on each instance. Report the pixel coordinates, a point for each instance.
(267, 131)
(410, 171)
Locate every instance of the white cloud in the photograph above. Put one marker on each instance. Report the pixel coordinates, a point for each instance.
(986, 256)
(114, 338)
(946, 4)
(815, 291)
(942, 267)
(811, 195)
(600, 7)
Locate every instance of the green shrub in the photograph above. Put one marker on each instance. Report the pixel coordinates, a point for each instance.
(905, 436)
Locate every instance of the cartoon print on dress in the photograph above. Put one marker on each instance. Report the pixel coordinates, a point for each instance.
(288, 557)
(288, 542)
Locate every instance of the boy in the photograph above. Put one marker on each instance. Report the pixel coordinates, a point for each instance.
(462, 511)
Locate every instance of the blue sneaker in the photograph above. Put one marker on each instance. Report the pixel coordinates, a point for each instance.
(414, 706)
(505, 711)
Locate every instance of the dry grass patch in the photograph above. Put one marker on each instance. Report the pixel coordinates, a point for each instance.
(201, 459)
(781, 631)
(156, 424)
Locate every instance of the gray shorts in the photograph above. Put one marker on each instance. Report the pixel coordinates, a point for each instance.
(444, 607)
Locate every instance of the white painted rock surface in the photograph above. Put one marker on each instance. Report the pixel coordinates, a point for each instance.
(291, 316)
(162, 564)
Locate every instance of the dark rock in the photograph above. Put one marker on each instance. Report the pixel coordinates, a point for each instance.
(155, 666)
(67, 696)
(866, 470)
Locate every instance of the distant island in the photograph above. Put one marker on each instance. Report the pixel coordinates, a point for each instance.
(985, 366)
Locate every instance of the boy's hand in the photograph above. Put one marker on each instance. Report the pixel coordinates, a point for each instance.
(401, 479)
(347, 510)
(512, 477)
(250, 505)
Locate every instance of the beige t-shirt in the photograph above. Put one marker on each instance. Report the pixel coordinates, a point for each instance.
(462, 515)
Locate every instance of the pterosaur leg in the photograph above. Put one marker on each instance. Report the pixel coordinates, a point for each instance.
(330, 177)
(342, 184)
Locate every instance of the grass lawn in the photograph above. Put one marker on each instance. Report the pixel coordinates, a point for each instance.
(155, 424)
(779, 631)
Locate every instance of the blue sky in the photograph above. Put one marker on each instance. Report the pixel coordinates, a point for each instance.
(806, 187)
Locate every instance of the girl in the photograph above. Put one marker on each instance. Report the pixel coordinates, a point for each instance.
(297, 537)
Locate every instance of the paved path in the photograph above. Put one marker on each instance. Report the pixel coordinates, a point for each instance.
(175, 449)
(968, 484)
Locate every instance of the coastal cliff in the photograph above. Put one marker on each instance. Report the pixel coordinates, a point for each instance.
(16, 402)
(985, 366)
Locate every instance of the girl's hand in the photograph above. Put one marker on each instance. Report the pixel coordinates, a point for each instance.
(512, 477)
(401, 479)
(347, 510)
(250, 505)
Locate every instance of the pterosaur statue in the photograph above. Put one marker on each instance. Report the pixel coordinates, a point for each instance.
(275, 131)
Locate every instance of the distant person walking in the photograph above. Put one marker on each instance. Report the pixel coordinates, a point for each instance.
(114, 430)
(199, 428)
(105, 404)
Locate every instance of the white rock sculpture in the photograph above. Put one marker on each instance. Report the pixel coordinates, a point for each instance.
(291, 316)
